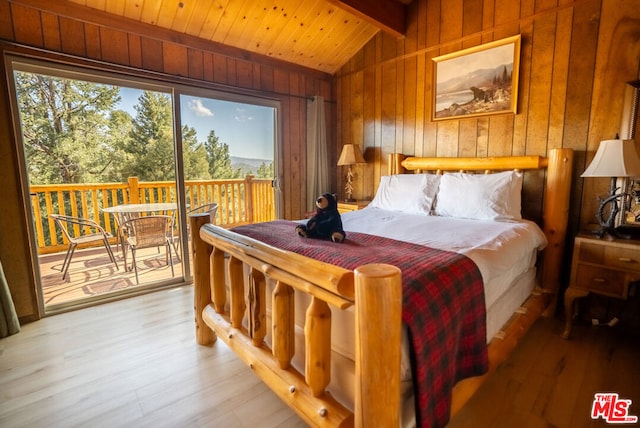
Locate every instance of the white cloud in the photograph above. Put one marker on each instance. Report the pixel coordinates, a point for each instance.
(242, 116)
(199, 109)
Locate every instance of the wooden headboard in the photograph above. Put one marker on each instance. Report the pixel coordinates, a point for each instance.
(556, 194)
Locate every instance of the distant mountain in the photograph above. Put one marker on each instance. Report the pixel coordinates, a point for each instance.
(248, 164)
(479, 78)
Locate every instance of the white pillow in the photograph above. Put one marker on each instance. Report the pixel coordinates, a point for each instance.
(480, 196)
(410, 193)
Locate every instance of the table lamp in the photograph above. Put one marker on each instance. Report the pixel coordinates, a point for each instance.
(614, 159)
(350, 156)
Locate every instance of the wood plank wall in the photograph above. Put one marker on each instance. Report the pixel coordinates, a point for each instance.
(575, 59)
(65, 28)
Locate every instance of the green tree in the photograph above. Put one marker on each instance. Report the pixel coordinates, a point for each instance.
(120, 125)
(150, 146)
(219, 158)
(265, 170)
(65, 125)
(194, 156)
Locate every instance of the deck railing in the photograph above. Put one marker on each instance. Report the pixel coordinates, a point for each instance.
(240, 201)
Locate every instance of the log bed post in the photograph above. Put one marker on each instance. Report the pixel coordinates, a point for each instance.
(317, 335)
(555, 217)
(201, 275)
(378, 345)
(257, 307)
(236, 296)
(282, 324)
(218, 290)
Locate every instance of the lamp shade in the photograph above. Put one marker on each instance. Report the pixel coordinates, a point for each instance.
(350, 155)
(614, 158)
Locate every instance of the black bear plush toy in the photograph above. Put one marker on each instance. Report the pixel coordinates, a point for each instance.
(326, 223)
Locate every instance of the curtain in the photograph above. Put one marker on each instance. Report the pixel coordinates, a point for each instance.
(317, 159)
(9, 323)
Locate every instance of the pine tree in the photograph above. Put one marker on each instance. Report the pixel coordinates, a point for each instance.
(265, 170)
(194, 156)
(219, 158)
(151, 139)
(120, 125)
(65, 125)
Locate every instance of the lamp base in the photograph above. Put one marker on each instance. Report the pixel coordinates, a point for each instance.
(609, 209)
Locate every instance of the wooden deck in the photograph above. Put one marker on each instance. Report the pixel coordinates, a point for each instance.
(92, 275)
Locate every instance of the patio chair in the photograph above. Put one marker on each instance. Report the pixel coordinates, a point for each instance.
(211, 208)
(148, 232)
(89, 231)
(119, 219)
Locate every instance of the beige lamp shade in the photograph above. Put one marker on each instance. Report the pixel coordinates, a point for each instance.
(350, 155)
(614, 158)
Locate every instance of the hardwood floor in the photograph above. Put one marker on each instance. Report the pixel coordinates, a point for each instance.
(131, 363)
(135, 363)
(550, 382)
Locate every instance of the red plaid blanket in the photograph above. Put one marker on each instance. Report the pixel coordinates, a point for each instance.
(443, 306)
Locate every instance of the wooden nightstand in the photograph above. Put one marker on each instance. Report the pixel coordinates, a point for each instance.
(345, 207)
(603, 266)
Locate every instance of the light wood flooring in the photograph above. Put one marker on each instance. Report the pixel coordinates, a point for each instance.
(135, 363)
(130, 363)
(550, 382)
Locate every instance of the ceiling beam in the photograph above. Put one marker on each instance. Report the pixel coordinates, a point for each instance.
(388, 15)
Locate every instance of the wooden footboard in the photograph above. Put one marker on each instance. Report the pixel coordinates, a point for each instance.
(223, 260)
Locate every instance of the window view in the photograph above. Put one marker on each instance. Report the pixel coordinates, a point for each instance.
(238, 138)
(100, 160)
(75, 131)
(230, 143)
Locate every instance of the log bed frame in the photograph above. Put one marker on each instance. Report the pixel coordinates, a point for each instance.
(224, 260)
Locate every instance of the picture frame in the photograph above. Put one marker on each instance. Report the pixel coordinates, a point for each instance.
(478, 81)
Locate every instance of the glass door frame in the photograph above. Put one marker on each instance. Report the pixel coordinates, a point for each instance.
(102, 73)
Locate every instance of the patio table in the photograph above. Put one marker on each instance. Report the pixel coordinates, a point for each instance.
(153, 207)
(124, 212)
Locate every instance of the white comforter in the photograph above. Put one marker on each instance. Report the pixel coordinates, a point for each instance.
(501, 250)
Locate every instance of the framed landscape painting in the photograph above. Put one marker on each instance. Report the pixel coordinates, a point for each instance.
(478, 81)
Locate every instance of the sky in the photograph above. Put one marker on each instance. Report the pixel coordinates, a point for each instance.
(248, 129)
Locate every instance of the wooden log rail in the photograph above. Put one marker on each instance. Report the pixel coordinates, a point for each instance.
(221, 259)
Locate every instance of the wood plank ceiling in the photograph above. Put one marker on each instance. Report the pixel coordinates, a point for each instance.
(319, 34)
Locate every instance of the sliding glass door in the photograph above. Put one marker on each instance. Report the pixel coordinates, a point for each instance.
(101, 150)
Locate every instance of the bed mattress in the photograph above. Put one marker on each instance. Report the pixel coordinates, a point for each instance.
(502, 250)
